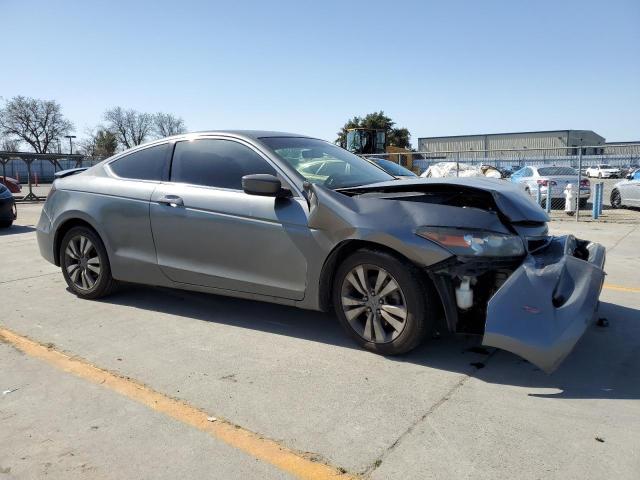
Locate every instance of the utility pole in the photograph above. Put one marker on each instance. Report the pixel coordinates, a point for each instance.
(70, 143)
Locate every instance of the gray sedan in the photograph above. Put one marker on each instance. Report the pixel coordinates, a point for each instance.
(247, 214)
(627, 192)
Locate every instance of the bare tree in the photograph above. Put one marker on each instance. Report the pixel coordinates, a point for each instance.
(39, 123)
(129, 126)
(167, 124)
(9, 144)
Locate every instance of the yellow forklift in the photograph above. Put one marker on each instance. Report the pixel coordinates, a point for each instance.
(367, 141)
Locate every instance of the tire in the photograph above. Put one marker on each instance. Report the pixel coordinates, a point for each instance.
(6, 223)
(90, 278)
(388, 333)
(616, 199)
(600, 175)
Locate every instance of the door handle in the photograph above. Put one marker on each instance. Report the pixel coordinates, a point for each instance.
(172, 201)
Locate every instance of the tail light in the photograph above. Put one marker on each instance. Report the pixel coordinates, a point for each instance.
(585, 182)
(544, 183)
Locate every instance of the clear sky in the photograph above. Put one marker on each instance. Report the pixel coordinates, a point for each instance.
(436, 67)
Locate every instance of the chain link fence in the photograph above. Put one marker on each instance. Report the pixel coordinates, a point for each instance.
(595, 201)
(546, 172)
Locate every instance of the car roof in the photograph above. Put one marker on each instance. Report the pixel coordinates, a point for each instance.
(253, 134)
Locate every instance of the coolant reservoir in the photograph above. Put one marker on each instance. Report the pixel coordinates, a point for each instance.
(464, 294)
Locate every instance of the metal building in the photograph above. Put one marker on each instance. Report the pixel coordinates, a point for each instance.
(622, 148)
(516, 140)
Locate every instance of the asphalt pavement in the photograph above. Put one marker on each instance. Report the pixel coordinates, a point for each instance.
(292, 378)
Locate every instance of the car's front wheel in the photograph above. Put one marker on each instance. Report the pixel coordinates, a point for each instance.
(383, 302)
(85, 264)
(616, 200)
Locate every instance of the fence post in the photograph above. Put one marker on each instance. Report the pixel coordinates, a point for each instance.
(457, 164)
(594, 207)
(579, 184)
(548, 205)
(600, 199)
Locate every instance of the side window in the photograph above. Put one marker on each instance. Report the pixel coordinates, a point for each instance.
(148, 164)
(216, 163)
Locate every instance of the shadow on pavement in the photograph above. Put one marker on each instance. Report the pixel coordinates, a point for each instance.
(605, 364)
(15, 229)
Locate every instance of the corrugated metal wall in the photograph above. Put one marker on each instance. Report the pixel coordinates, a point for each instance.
(523, 140)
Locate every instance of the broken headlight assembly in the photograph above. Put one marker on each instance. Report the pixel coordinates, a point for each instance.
(479, 243)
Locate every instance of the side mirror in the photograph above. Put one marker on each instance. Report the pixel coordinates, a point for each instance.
(629, 177)
(264, 184)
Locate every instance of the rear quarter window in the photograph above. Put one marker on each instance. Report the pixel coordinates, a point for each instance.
(151, 163)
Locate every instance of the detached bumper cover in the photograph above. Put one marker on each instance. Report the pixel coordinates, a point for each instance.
(544, 307)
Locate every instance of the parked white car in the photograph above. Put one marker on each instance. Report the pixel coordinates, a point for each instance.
(603, 171)
(542, 178)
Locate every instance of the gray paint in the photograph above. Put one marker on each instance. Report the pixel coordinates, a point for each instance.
(520, 321)
(276, 249)
(629, 192)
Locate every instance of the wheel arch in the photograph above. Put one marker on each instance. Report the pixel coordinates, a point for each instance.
(615, 191)
(62, 230)
(342, 251)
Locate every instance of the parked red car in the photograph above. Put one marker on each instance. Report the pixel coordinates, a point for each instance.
(12, 184)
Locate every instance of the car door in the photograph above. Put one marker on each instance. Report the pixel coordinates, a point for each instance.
(209, 232)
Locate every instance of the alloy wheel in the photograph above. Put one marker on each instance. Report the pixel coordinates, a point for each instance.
(374, 304)
(616, 201)
(82, 262)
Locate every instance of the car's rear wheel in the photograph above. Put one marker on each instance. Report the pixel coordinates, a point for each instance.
(6, 223)
(85, 264)
(383, 302)
(616, 199)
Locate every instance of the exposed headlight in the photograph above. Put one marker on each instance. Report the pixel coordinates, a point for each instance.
(474, 242)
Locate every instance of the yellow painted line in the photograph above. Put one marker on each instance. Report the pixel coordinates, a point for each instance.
(620, 288)
(296, 463)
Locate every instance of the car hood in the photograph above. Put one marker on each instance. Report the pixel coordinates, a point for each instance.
(510, 199)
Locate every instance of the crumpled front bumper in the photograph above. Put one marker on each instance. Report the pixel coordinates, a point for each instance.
(544, 307)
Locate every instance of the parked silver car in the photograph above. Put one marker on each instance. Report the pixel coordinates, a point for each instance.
(248, 214)
(542, 178)
(627, 192)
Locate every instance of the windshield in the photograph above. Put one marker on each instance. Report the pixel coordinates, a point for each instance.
(326, 164)
(604, 166)
(393, 168)
(557, 171)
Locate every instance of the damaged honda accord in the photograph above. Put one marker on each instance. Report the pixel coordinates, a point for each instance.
(295, 220)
